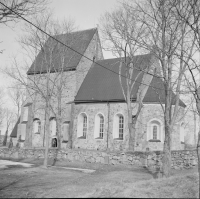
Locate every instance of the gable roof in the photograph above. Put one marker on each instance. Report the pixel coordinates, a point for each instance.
(14, 131)
(103, 85)
(79, 41)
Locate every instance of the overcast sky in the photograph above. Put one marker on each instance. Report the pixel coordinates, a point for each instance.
(86, 14)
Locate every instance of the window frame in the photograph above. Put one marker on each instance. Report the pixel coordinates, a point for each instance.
(65, 131)
(121, 127)
(38, 122)
(155, 133)
(99, 126)
(160, 136)
(51, 126)
(118, 126)
(81, 129)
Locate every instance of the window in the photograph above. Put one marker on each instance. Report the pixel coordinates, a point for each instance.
(23, 131)
(53, 126)
(118, 127)
(82, 126)
(36, 126)
(99, 126)
(65, 131)
(121, 126)
(154, 131)
(25, 114)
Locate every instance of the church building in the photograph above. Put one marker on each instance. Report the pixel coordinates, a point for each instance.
(87, 99)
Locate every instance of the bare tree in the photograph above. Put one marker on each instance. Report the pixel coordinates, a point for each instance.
(17, 95)
(2, 93)
(46, 80)
(193, 9)
(121, 32)
(11, 10)
(9, 120)
(169, 39)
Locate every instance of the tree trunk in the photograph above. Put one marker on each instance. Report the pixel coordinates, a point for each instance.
(59, 121)
(46, 135)
(5, 138)
(167, 153)
(195, 127)
(167, 144)
(131, 127)
(198, 144)
(198, 155)
(71, 127)
(59, 132)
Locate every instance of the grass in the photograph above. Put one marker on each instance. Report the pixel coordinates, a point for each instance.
(108, 181)
(174, 187)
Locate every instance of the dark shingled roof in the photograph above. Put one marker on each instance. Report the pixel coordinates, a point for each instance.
(14, 131)
(102, 85)
(156, 93)
(79, 41)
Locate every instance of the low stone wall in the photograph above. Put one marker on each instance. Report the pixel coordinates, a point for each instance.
(180, 159)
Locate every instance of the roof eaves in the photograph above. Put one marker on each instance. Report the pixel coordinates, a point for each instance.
(102, 101)
(52, 71)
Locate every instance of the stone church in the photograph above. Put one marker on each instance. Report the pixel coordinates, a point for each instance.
(94, 112)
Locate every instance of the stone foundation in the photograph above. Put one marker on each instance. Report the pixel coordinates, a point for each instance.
(180, 159)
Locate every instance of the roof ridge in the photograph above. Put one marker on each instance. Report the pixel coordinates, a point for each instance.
(76, 31)
(124, 57)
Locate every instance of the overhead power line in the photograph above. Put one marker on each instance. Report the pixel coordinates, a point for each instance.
(77, 51)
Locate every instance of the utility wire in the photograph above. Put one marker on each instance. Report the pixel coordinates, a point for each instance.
(77, 51)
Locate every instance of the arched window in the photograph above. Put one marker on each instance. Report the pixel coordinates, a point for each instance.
(154, 131)
(36, 126)
(118, 127)
(182, 133)
(99, 126)
(53, 126)
(65, 131)
(121, 126)
(82, 126)
(23, 131)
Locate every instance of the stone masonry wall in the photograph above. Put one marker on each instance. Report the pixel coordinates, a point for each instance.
(91, 110)
(38, 108)
(152, 112)
(148, 113)
(180, 159)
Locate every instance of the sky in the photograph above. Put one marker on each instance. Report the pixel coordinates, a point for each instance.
(86, 14)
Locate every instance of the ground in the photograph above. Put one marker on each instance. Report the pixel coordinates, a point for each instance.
(99, 181)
